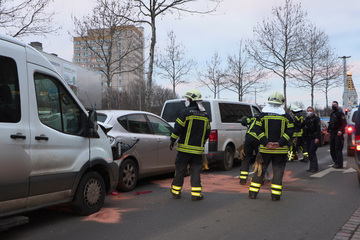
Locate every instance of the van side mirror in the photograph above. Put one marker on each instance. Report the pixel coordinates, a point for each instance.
(91, 125)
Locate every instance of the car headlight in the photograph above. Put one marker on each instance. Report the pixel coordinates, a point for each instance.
(111, 140)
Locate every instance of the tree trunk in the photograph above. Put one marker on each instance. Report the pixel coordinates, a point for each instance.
(151, 65)
(312, 95)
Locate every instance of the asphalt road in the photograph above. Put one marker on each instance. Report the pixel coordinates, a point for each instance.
(312, 207)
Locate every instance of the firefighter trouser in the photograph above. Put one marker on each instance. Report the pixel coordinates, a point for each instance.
(181, 162)
(278, 165)
(251, 144)
(336, 147)
(310, 144)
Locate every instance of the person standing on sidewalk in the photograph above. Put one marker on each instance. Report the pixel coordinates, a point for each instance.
(192, 129)
(312, 134)
(337, 126)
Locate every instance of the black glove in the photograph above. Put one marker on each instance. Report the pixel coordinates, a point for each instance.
(171, 145)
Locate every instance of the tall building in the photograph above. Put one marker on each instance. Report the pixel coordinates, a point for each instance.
(124, 48)
(352, 94)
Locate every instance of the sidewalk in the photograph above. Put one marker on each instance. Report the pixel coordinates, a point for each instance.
(351, 229)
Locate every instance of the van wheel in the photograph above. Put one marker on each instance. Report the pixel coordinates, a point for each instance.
(228, 160)
(90, 194)
(128, 176)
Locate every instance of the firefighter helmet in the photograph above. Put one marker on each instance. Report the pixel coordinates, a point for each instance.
(295, 108)
(193, 94)
(276, 98)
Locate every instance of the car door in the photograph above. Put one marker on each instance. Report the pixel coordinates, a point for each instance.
(58, 149)
(162, 132)
(15, 162)
(147, 147)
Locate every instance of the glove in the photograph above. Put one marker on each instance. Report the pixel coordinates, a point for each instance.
(171, 145)
(258, 168)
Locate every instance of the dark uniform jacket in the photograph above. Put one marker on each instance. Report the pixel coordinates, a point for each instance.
(272, 127)
(250, 123)
(298, 119)
(311, 127)
(337, 121)
(192, 129)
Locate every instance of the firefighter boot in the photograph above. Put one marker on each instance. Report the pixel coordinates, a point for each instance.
(197, 198)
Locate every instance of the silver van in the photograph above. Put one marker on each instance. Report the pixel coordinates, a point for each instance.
(227, 133)
(51, 151)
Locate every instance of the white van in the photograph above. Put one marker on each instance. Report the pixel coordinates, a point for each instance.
(227, 133)
(51, 151)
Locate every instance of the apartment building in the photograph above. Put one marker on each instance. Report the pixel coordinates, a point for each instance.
(118, 52)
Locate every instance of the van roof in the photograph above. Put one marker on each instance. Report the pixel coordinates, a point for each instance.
(12, 40)
(212, 100)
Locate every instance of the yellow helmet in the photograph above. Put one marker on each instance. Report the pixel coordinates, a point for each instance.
(276, 98)
(295, 108)
(193, 94)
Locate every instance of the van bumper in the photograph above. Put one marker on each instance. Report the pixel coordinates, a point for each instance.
(215, 156)
(114, 176)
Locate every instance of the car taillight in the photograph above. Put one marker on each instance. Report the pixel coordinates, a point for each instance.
(213, 136)
(350, 129)
(357, 142)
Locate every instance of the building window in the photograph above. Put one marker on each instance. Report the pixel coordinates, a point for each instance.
(77, 60)
(77, 49)
(120, 88)
(120, 83)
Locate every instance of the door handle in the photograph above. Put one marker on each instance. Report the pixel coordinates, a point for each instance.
(41, 137)
(18, 135)
(159, 140)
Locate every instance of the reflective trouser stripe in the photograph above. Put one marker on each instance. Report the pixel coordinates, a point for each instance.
(254, 187)
(251, 189)
(243, 175)
(276, 189)
(196, 191)
(176, 189)
(305, 154)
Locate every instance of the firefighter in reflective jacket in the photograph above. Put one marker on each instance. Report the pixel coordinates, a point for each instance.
(192, 129)
(274, 129)
(297, 138)
(251, 144)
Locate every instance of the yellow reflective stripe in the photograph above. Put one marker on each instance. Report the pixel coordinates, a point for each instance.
(255, 184)
(243, 177)
(196, 189)
(286, 136)
(204, 133)
(305, 154)
(276, 186)
(244, 173)
(259, 123)
(176, 187)
(261, 135)
(254, 189)
(290, 125)
(185, 150)
(175, 192)
(188, 132)
(180, 122)
(174, 136)
(276, 192)
(190, 147)
(195, 194)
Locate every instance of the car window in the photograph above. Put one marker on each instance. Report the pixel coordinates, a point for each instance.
(256, 111)
(232, 113)
(173, 109)
(101, 117)
(159, 126)
(9, 91)
(56, 108)
(123, 122)
(138, 124)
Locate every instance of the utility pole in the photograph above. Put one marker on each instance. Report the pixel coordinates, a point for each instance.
(346, 100)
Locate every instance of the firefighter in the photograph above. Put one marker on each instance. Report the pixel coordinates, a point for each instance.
(274, 129)
(297, 139)
(251, 144)
(192, 129)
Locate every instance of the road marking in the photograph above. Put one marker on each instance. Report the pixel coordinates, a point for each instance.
(326, 171)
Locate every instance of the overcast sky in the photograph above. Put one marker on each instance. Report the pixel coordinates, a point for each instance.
(222, 31)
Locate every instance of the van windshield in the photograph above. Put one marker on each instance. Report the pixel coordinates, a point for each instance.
(172, 110)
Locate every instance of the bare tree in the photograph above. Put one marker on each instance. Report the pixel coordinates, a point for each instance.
(308, 71)
(148, 11)
(27, 17)
(332, 72)
(173, 65)
(243, 76)
(213, 77)
(112, 42)
(275, 46)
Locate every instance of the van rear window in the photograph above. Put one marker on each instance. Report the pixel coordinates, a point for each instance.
(172, 110)
(232, 113)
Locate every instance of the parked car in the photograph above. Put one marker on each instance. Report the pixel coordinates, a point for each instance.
(357, 145)
(325, 135)
(227, 133)
(51, 149)
(350, 132)
(152, 155)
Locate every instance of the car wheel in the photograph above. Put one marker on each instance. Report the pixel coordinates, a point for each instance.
(228, 160)
(128, 176)
(90, 194)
